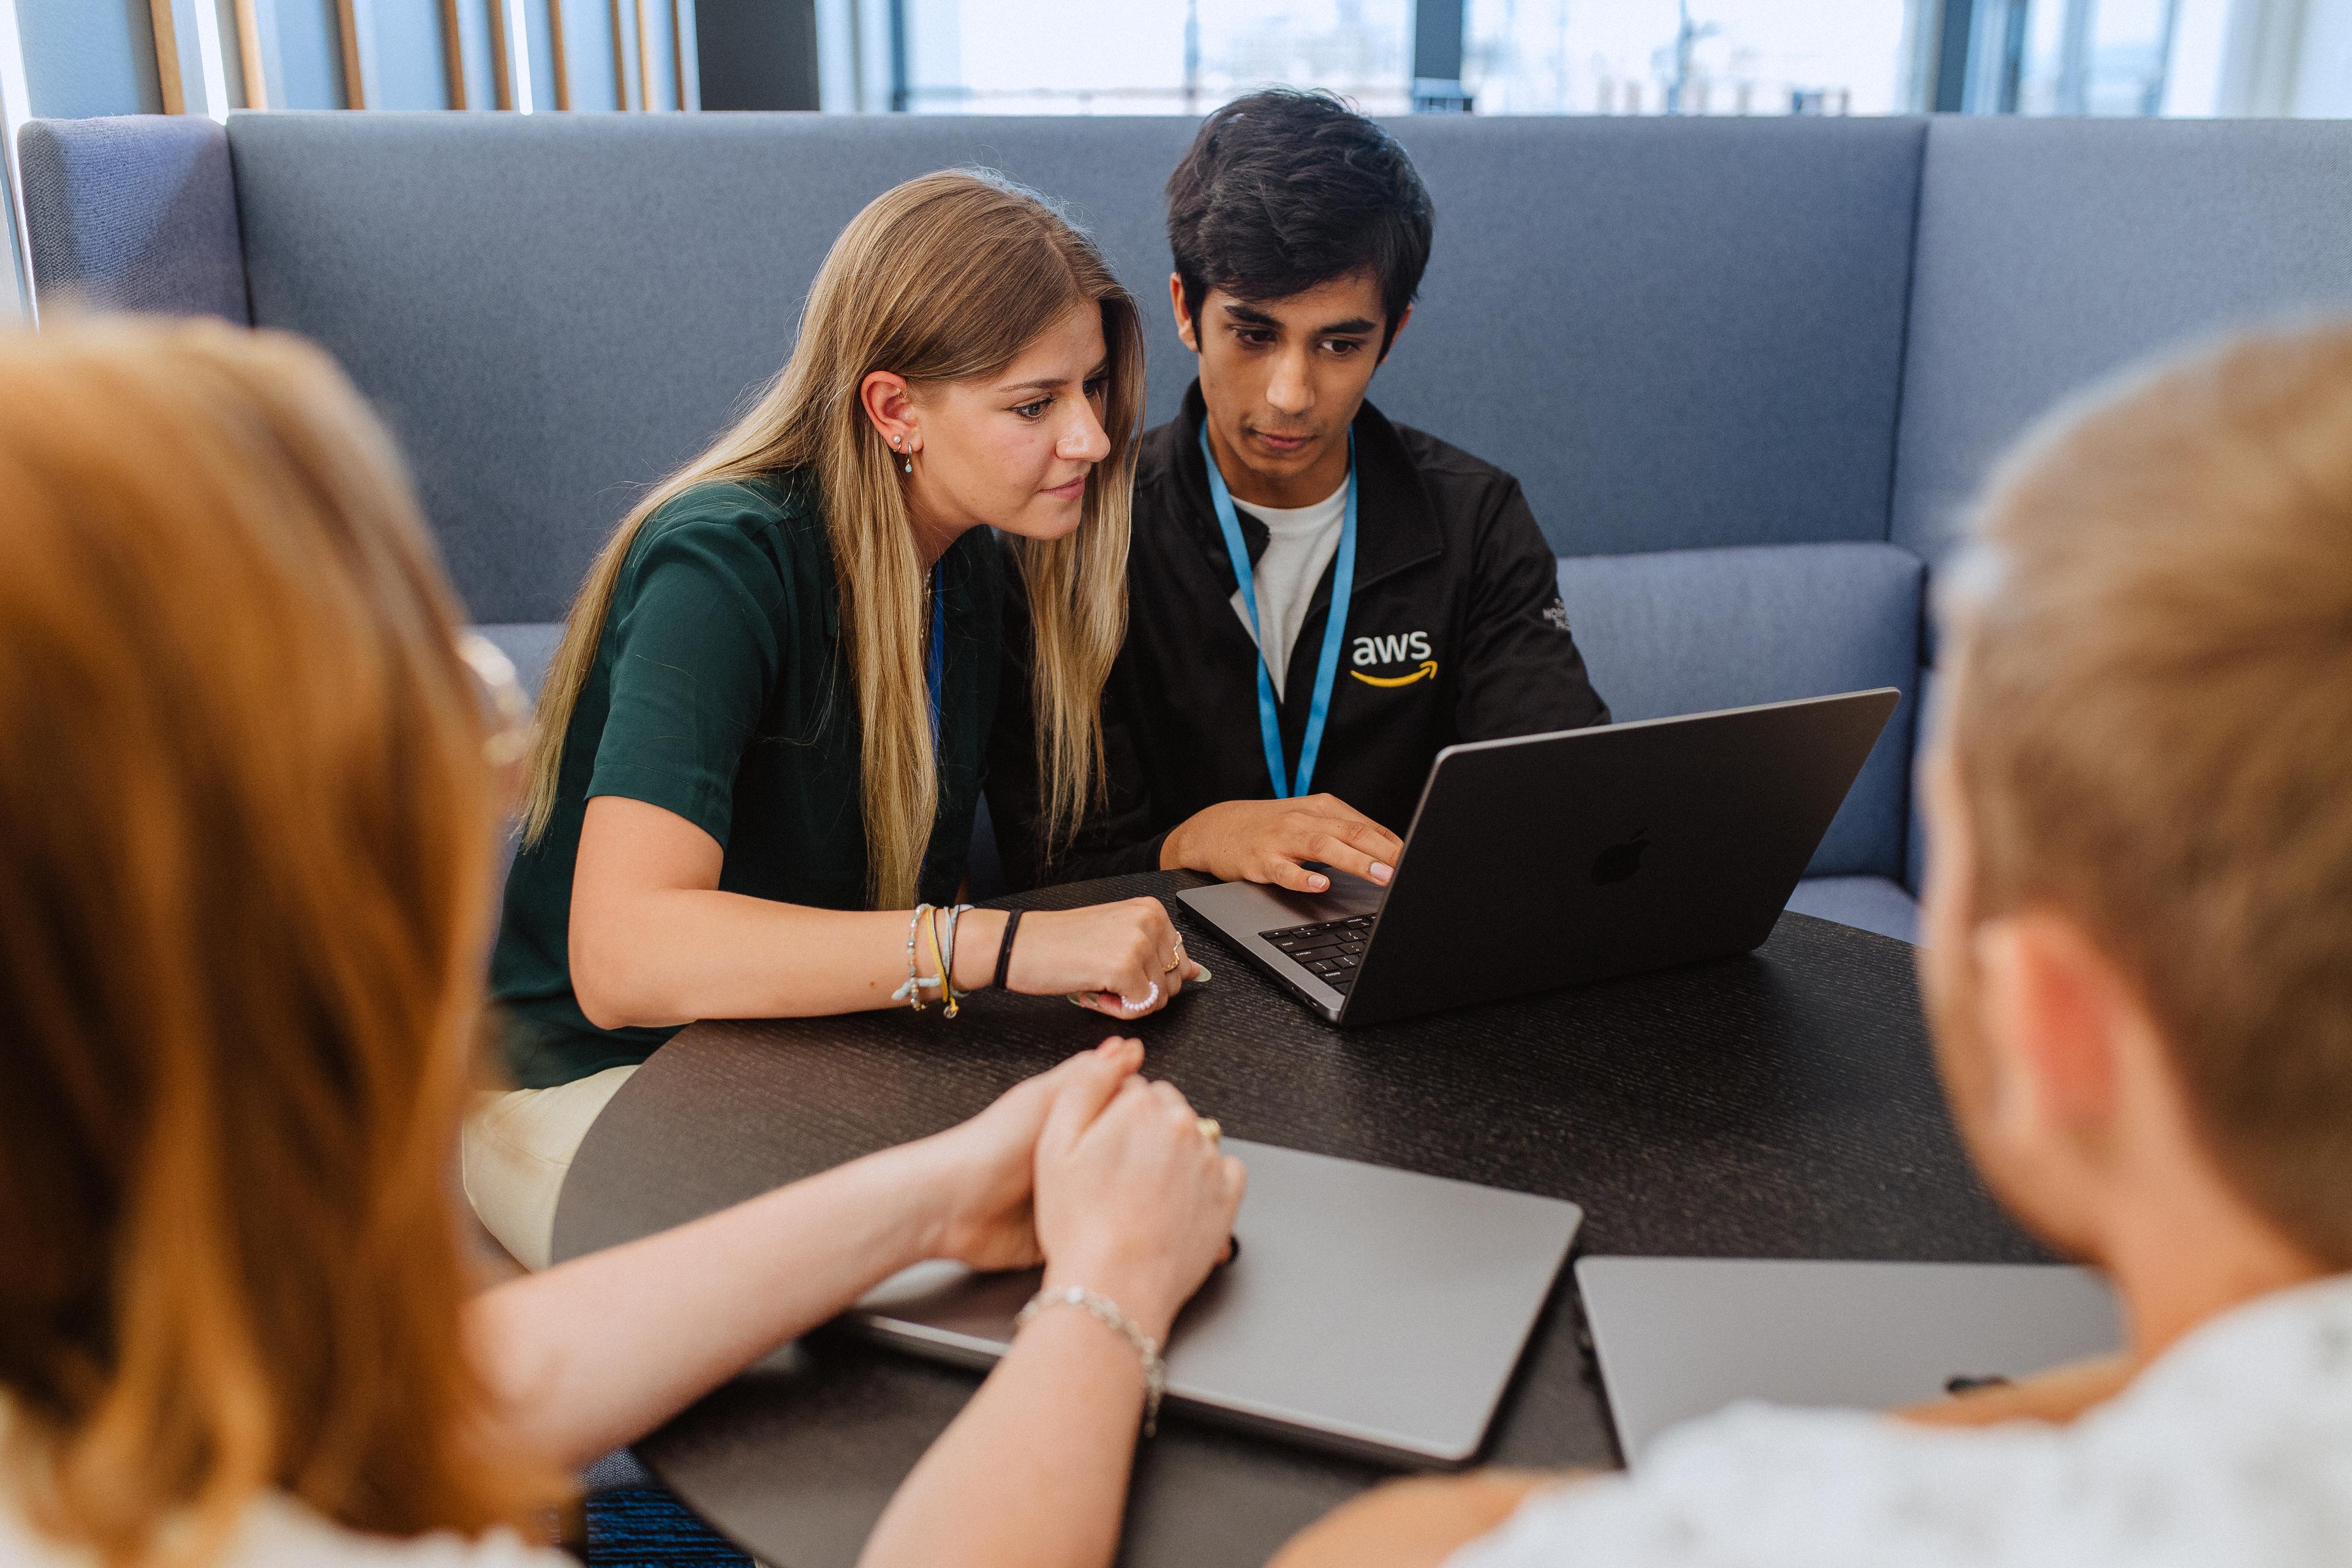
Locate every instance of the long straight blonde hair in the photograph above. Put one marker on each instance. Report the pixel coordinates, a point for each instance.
(246, 839)
(946, 278)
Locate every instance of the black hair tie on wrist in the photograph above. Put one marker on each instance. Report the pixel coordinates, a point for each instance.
(1004, 948)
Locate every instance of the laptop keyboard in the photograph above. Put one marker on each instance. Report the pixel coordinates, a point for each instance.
(1330, 949)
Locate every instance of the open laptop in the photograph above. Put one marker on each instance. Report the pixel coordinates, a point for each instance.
(1545, 860)
(1678, 1338)
(1368, 1311)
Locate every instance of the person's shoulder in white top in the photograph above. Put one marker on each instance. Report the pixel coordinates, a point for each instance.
(2234, 1447)
(280, 1532)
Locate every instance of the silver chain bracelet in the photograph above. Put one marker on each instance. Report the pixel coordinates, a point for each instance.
(1105, 1310)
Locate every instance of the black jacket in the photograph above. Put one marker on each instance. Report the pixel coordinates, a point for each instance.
(1455, 632)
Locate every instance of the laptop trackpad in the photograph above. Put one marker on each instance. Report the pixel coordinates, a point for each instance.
(1247, 908)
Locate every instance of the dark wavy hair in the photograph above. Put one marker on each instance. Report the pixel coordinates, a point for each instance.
(1285, 189)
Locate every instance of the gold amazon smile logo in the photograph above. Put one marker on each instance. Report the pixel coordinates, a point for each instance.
(1428, 667)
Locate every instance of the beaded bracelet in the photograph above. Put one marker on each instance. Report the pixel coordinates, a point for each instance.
(1105, 1310)
(911, 992)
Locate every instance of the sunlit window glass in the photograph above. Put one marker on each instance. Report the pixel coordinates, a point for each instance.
(1711, 57)
(1151, 56)
(1716, 56)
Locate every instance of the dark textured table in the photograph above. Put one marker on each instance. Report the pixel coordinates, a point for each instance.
(1778, 1105)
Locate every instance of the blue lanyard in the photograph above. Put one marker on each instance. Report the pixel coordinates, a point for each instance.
(938, 677)
(1335, 623)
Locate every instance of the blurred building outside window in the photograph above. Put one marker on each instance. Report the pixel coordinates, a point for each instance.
(1595, 57)
(1149, 57)
(1705, 56)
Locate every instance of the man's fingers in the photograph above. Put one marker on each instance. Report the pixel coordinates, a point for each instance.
(1339, 853)
(1359, 829)
(1283, 872)
(1374, 840)
(1328, 831)
(1357, 845)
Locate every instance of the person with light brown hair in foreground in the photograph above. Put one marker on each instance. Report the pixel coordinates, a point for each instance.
(249, 790)
(2137, 964)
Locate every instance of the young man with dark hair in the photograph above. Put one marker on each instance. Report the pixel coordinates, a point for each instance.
(1252, 730)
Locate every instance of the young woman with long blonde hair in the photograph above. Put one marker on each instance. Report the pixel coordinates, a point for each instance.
(752, 785)
(248, 800)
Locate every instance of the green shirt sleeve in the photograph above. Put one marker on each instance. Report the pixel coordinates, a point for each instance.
(693, 646)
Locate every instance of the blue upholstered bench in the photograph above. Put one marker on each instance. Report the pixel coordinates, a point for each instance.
(1749, 372)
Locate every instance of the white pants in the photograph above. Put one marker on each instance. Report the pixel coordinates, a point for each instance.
(517, 1148)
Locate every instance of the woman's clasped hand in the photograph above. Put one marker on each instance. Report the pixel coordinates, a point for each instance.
(1124, 959)
(1092, 1170)
(1133, 1199)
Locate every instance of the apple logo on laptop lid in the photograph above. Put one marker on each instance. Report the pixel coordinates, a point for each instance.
(1620, 861)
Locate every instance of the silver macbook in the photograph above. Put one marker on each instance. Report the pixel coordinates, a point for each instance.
(1546, 860)
(1684, 1337)
(1368, 1311)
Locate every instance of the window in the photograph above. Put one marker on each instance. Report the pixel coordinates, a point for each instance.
(1705, 56)
(1596, 57)
(2071, 57)
(1149, 57)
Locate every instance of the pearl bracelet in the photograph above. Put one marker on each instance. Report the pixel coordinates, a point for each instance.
(1105, 1310)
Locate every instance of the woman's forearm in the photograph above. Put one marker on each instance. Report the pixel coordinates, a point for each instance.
(597, 1353)
(676, 956)
(653, 942)
(1033, 1473)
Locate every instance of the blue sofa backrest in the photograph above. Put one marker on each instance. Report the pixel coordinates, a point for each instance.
(136, 213)
(2053, 253)
(1683, 339)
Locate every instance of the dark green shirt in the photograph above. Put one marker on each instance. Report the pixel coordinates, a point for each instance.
(721, 691)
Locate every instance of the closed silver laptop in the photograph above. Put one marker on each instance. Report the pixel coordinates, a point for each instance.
(1546, 860)
(1678, 1338)
(1369, 1311)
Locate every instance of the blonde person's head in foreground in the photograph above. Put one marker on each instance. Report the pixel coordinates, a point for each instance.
(2138, 924)
(247, 821)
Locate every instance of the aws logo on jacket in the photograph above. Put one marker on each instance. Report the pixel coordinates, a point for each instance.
(1407, 649)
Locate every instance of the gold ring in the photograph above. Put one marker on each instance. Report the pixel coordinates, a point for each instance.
(1209, 1128)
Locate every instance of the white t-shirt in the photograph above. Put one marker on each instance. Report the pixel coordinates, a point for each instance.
(2235, 1448)
(1300, 543)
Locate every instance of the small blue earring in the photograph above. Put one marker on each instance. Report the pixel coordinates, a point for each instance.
(910, 457)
